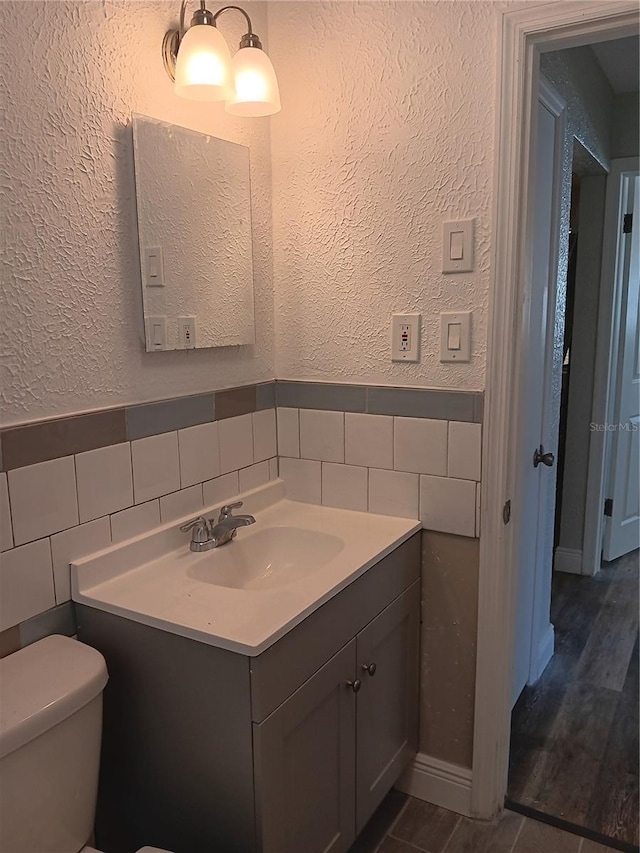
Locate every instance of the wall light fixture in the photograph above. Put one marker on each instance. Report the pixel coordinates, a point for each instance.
(199, 62)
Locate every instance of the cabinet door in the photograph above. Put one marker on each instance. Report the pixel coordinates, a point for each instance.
(387, 730)
(304, 759)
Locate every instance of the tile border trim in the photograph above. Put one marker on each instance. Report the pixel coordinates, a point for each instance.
(42, 441)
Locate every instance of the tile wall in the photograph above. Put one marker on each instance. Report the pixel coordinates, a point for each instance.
(413, 467)
(55, 511)
(75, 485)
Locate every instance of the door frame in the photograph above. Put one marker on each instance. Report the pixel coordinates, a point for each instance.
(523, 35)
(605, 364)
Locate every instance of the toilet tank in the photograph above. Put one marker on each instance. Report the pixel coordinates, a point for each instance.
(50, 730)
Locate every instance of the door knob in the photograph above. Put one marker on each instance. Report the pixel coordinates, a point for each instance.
(370, 668)
(539, 456)
(355, 685)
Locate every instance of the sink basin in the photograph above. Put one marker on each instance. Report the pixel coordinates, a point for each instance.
(248, 593)
(267, 559)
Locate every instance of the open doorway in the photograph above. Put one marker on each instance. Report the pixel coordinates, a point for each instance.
(574, 732)
(526, 32)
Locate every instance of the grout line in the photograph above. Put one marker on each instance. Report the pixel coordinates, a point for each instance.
(367, 492)
(53, 574)
(13, 538)
(75, 489)
(518, 834)
(393, 825)
(453, 832)
(408, 844)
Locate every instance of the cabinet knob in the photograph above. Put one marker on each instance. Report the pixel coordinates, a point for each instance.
(370, 668)
(355, 685)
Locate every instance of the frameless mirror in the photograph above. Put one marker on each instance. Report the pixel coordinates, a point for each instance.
(193, 199)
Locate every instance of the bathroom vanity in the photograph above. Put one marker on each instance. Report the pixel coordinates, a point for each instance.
(280, 747)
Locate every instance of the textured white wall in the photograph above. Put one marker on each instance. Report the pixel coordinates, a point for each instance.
(72, 73)
(387, 129)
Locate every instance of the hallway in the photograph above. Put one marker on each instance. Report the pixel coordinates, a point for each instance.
(574, 736)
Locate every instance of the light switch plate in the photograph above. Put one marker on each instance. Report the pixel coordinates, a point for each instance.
(156, 333)
(457, 245)
(455, 336)
(153, 266)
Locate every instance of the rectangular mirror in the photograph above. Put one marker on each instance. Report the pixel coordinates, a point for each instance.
(193, 198)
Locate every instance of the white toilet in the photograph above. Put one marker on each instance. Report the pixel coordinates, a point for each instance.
(50, 732)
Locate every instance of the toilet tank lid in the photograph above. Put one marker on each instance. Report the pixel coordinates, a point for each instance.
(43, 684)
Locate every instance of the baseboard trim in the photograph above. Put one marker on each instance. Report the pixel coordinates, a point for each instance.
(438, 782)
(545, 652)
(568, 560)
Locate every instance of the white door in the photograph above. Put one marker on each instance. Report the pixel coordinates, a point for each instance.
(533, 637)
(622, 528)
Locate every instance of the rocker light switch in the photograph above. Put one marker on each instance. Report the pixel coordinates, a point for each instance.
(455, 336)
(154, 267)
(457, 246)
(156, 328)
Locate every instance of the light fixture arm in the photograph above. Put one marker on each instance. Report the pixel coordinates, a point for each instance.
(249, 39)
(172, 38)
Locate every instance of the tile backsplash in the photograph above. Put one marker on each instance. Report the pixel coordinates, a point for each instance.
(415, 467)
(76, 485)
(60, 509)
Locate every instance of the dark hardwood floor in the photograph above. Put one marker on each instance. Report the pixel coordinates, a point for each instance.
(574, 735)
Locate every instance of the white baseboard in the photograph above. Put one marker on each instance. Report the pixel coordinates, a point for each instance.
(438, 782)
(545, 653)
(568, 560)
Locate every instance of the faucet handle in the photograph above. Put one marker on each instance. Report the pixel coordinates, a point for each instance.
(200, 527)
(227, 510)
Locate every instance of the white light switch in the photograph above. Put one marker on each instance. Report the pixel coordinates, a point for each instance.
(405, 337)
(457, 246)
(154, 266)
(455, 336)
(156, 328)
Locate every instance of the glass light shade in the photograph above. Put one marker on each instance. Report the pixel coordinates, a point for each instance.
(256, 87)
(203, 66)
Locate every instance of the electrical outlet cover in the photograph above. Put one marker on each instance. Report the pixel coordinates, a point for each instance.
(405, 337)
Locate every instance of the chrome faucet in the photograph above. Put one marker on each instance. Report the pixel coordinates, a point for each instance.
(206, 535)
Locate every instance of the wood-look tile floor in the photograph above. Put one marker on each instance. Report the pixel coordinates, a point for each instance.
(405, 825)
(574, 735)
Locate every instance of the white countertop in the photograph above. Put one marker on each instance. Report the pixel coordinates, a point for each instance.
(156, 580)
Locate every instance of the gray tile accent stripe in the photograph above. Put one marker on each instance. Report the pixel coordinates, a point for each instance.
(411, 403)
(155, 418)
(40, 442)
(408, 402)
(478, 407)
(319, 395)
(58, 620)
(47, 440)
(236, 401)
(265, 396)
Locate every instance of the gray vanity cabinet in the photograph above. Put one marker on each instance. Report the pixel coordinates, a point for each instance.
(304, 759)
(327, 756)
(387, 729)
(206, 749)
